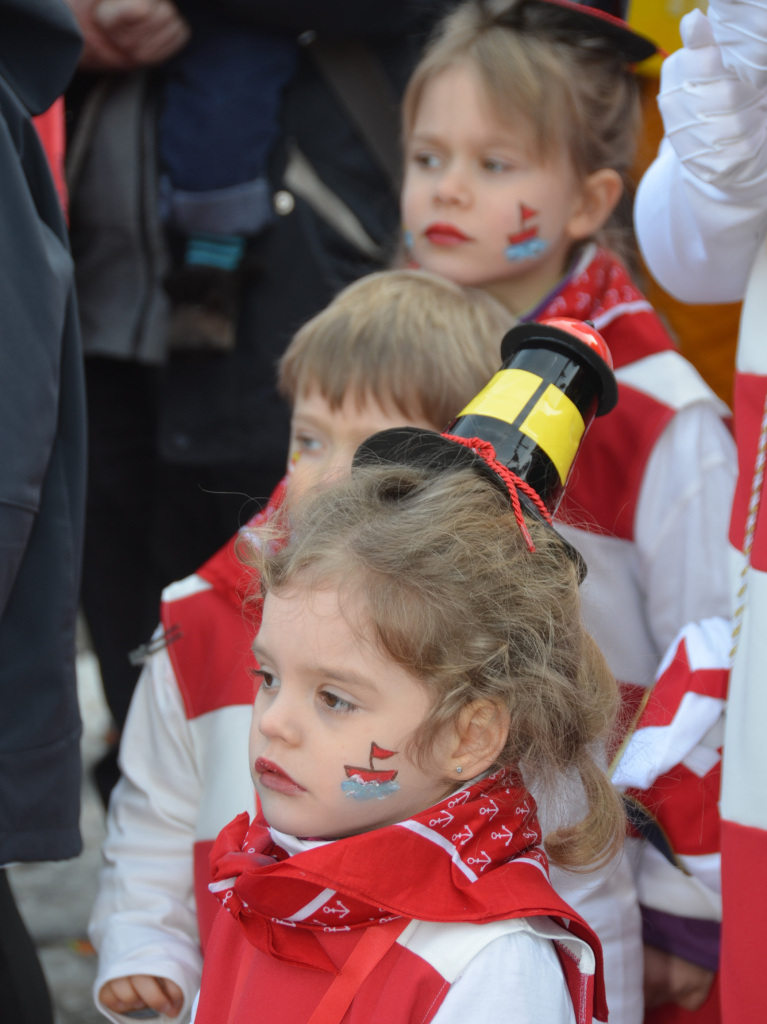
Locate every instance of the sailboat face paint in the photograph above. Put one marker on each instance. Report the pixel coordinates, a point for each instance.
(526, 244)
(371, 783)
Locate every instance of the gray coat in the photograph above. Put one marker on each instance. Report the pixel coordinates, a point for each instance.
(42, 452)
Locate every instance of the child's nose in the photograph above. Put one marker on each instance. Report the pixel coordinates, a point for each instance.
(452, 187)
(280, 719)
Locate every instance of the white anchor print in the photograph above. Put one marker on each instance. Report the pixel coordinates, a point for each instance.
(491, 809)
(342, 910)
(464, 836)
(482, 860)
(443, 818)
(505, 833)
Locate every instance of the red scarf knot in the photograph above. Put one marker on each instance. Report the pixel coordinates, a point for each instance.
(514, 483)
(473, 857)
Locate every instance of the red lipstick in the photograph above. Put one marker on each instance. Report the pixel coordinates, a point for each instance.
(445, 234)
(271, 776)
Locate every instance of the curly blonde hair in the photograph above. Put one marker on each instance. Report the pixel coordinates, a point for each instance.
(568, 88)
(439, 568)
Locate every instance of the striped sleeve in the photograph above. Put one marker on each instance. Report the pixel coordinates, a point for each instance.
(670, 773)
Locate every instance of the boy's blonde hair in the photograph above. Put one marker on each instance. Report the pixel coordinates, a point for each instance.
(407, 338)
(436, 565)
(567, 88)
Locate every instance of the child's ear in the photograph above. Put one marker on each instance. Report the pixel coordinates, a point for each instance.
(599, 196)
(481, 732)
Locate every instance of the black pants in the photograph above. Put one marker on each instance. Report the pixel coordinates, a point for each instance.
(24, 996)
(149, 522)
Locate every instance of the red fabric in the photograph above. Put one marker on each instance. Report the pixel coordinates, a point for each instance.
(603, 287)
(214, 663)
(678, 680)
(685, 804)
(750, 392)
(249, 985)
(50, 127)
(709, 1013)
(744, 896)
(603, 488)
(474, 857)
(687, 808)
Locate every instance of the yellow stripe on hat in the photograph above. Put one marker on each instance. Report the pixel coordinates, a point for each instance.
(556, 425)
(505, 396)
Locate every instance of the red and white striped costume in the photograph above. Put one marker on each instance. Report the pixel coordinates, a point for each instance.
(671, 768)
(744, 807)
(702, 219)
(647, 503)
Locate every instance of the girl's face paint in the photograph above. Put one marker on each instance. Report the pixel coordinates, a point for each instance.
(371, 783)
(407, 239)
(329, 696)
(526, 244)
(468, 177)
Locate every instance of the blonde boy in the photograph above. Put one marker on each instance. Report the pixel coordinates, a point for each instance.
(395, 348)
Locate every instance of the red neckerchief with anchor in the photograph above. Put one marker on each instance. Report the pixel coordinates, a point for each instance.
(474, 857)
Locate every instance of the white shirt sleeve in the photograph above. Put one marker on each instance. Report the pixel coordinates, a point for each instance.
(699, 242)
(682, 521)
(144, 919)
(516, 978)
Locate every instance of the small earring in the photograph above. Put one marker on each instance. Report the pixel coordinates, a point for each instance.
(459, 769)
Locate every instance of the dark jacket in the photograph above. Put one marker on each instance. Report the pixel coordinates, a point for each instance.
(42, 451)
(224, 408)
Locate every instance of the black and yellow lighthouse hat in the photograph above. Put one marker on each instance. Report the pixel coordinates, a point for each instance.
(555, 378)
(524, 429)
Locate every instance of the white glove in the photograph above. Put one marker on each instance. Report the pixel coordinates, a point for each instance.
(740, 29)
(715, 121)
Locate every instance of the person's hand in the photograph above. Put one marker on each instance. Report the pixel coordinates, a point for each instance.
(121, 35)
(716, 123)
(670, 979)
(139, 991)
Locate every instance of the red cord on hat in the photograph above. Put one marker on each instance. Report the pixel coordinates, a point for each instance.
(513, 482)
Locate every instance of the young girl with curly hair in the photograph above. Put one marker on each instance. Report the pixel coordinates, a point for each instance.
(420, 668)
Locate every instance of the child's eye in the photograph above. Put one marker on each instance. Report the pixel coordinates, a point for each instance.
(427, 160)
(307, 443)
(495, 166)
(336, 703)
(268, 681)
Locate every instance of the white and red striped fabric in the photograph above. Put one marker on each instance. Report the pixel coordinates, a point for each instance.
(744, 804)
(671, 771)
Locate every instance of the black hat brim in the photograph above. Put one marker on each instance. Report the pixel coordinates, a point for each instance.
(426, 449)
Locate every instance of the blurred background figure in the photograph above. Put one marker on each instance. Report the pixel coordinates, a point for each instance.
(184, 436)
(42, 483)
